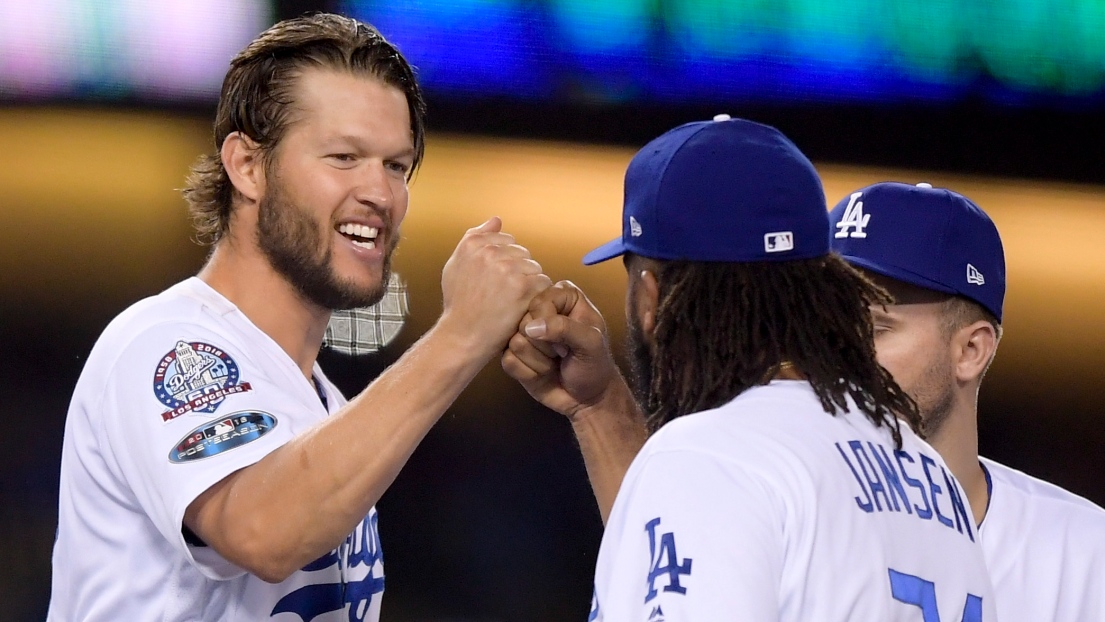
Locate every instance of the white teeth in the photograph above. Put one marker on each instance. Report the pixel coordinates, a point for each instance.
(368, 245)
(361, 231)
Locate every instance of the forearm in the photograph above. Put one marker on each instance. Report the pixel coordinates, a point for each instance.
(304, 498)
(610, 434)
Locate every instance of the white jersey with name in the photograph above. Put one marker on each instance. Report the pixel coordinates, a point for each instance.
(180, 391)
(768, 508)
(1045, 548)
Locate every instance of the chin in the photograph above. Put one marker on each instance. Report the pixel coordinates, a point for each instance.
(361, 292)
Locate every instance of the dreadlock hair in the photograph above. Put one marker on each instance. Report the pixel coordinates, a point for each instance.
(722, 328)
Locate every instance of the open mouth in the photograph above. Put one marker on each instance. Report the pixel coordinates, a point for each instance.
(360, 235)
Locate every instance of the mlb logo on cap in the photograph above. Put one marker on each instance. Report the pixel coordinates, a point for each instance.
(929, 237)
(725, 190)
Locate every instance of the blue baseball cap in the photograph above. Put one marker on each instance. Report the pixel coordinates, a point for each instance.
(724, 190)
(929, 237)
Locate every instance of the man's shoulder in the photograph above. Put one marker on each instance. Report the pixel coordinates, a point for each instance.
(761, 429)
(1029, 499)
(183, 304)
(780, 414)
(157, 326)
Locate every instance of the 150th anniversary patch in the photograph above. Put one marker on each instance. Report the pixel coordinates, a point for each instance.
(195, 377)
(216, 437)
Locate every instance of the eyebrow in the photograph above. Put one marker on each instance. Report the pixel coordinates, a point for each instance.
(882, 312)
(358, 143)
(406, 153)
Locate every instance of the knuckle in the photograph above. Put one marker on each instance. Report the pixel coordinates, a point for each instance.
(517, 343)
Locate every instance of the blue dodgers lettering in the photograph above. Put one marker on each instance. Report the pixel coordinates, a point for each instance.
(935, 489)
(881, 480)
(926, 512)
(959, 509)
(361, 548)
(873, 482)
(674, 568)
(866, 506)
(893, 482)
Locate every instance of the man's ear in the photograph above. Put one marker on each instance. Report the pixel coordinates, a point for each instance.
(243, 162)
(646, 301)
(973, 348)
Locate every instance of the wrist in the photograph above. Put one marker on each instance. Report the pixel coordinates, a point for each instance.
(455, 338)
(454, 341)
(615, 404)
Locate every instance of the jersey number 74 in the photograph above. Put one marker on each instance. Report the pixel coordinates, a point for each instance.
(916, 591)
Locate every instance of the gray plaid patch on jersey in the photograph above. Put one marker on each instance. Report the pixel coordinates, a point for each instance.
(357, 332)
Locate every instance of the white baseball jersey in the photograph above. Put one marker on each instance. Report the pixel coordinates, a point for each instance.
(1045, 548)
(180, 391)
(768, 508)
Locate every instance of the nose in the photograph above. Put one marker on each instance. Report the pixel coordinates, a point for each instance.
(374, 186)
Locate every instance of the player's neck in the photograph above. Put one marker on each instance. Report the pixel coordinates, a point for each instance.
(245, 278)
(787, 371)
(957, 442)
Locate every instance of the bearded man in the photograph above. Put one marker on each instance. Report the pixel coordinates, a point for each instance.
(210, 471)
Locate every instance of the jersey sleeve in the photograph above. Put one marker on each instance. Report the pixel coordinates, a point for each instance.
(690, 538)
(183, 407)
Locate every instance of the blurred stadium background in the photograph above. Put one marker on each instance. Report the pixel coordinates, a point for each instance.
(536, 106)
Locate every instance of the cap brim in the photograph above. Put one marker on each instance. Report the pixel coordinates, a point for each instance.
(899, 274)
(610, 250)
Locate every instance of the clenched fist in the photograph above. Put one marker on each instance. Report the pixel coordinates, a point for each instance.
(487, 286)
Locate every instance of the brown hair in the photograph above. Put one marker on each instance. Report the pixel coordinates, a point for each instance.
(257, 95)
(722, 328)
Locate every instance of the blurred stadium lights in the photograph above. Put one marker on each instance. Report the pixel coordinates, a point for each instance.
(1024, 52)
(162, 51)
(1013, 88)
(1028, 52)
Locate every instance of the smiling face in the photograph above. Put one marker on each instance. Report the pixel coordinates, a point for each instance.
(913, 344)
(336, 188)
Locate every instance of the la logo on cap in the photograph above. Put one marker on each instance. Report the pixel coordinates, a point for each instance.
(853, 218)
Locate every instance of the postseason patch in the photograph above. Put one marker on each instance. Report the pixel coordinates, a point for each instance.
(195, 377)
(216, 437)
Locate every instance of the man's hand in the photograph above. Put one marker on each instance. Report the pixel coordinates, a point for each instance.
(487, 286)
(560, 353)
(561, 356)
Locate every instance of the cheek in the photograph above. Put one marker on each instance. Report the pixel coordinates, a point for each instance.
(401, 196)
(898, 355)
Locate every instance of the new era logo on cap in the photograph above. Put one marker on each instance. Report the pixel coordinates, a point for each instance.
(634, 227)
(974, 276)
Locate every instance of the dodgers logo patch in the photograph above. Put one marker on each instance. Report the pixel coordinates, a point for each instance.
(221, 435)
(195, 377)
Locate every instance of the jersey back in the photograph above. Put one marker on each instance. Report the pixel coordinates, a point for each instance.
(769, 508)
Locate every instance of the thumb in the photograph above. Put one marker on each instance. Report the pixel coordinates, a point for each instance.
(566, 335)
(493, 225)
